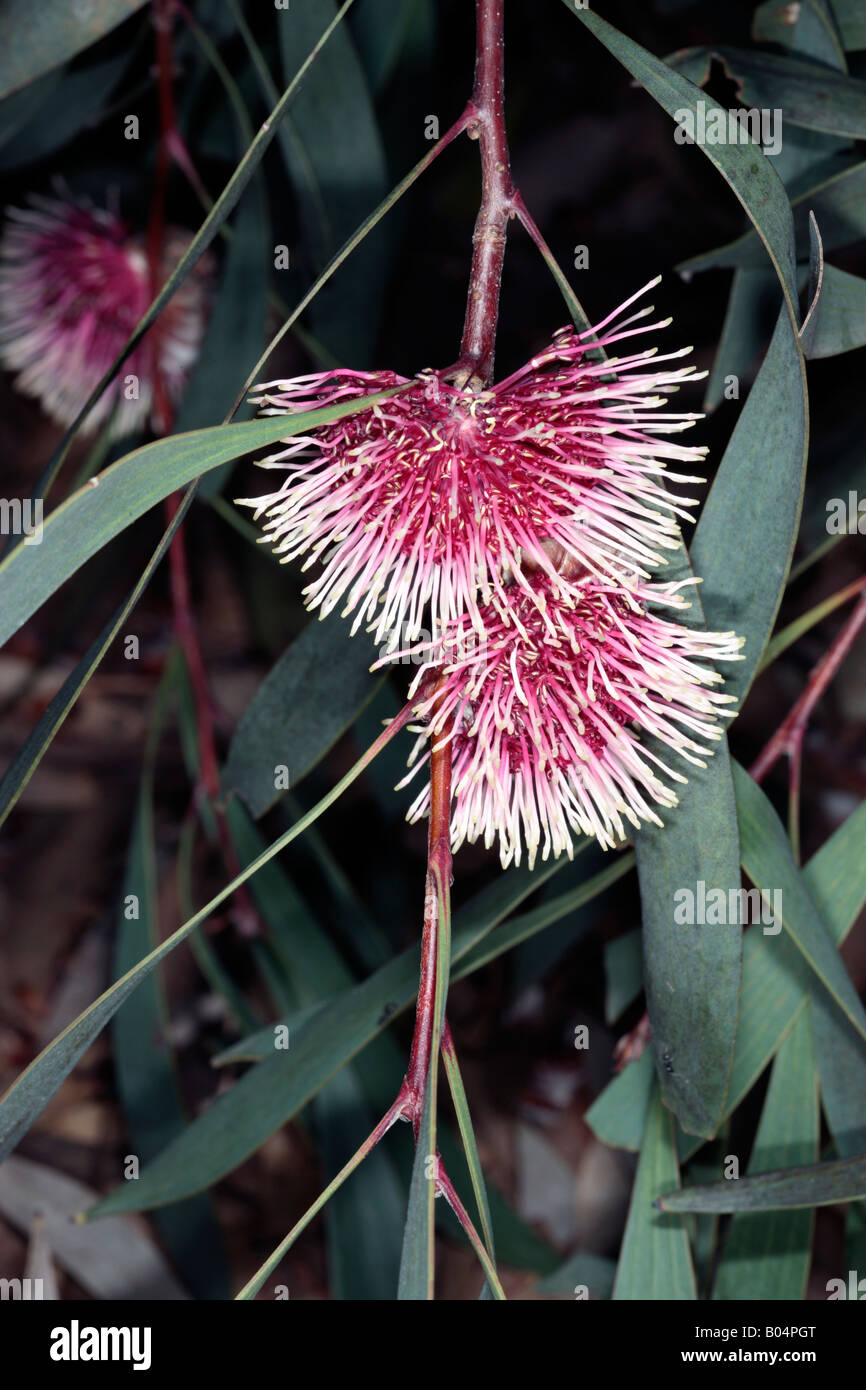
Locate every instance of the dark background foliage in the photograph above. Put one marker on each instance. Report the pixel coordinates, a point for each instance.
(596, 162)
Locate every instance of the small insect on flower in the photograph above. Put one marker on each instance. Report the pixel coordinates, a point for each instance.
(441, 495)
(547, 725)
(73, 285)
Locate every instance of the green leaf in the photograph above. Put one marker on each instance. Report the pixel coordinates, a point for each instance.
(776, 977)
(321, 1043)
(851, 19)
(381, 33)
(813, 1185)
(841, 1057)
(32, 751)
(744, 167)
(692, 973)
(581, 1270)
(417, 1264)
(757, 496)
(147, 1082)
(363, 1217)
(813, 96)
(768, 861)
(36, 39)
(470, 1144)
(236, 330)
(72, 104)
(306, 702)
(767, 1256)
(692, 976)
(339, 152)
(623, 972)
(112, 500)
(775, 988)
(655, 1262)
(839, 206)
(18, 110)
(522, 928)
(618, 1116)
(815, 284)
(27, 1096)
(745, 331)
(668, 859)
(840, 324)
(814, 33)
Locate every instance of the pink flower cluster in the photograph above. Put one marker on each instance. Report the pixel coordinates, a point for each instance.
(529, 518)
(73, 285)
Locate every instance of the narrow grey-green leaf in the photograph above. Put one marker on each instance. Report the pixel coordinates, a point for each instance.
(655, 1262)
(776, 980)
(321, 1043)
(340, 149)
(839, 205)
(113, 499)
(815, 290)
(362, 1219)
(28, 1094)
(617, 1117)
(757, 496)
(623, 973)
(692, 973)
(814, 32)
(417, 1271)
(748, 324)
(840, 317)
(841, 1057)
(811, 95)
(813, 1185)
(306, 702)
(147, 1081)
(36, 38)
(73, 104)
(768, 861)
(580, 1271)
(766, 1256)
(745, 167)
(704, 1049)
(851, 18)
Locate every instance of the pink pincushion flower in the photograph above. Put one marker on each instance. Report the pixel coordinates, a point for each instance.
(73, 286)
(546, 718)
(442, 495)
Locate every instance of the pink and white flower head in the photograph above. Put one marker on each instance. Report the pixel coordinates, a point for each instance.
(546, 718)
(73, 285)
(443, 496)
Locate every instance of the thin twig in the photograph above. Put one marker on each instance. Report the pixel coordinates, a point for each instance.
(787, 741)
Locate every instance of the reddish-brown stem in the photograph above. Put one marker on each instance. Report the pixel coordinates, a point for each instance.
(487, 125)
(787, 741)
(438, 873)
(789, 735)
